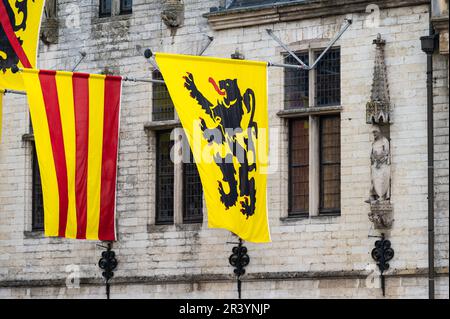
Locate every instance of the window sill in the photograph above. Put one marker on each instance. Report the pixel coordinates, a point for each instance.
(161, 228)
(111, 18)
(319, 219)
(294, 218)
(189, 227)
(316, 110)
(161, 125)
(33, 234)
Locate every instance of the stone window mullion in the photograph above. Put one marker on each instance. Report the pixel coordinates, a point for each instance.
(314, 168)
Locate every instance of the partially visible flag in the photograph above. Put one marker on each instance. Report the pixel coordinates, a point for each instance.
(75, 118)
(222, 105)
(1, 112)
(19, 35)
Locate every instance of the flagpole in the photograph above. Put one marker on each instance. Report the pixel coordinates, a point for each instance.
(148, 55)
(13, 92)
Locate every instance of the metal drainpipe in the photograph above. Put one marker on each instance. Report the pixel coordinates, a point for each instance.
(428, 46)
(430, 176)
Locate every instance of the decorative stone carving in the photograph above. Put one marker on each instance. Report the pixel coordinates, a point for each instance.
(381, 214)
(378, 109)
(173, 14)
(50, 24)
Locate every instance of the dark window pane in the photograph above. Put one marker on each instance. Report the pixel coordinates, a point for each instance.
(38, 202)
(328, 78)
(299, 167)
(126, 6)
(105, 8)
(164, 179)
(192, 192)
(296, 84)
(330, 164)
(163, 108)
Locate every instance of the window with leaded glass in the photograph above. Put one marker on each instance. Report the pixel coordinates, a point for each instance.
(296, 83)
(328, 78)
(163, 108)
(330, 164)
(37, 222)
(105, 9)
(314, 133)
(192, 192)
(126, 6)
(299, 167)
(164, 179)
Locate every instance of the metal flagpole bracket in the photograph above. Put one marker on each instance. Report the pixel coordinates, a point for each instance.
(348, 22)
(284, 46)
(5, 91)
(83, 55)
(148, 54)
(108, 263)
(210, 40)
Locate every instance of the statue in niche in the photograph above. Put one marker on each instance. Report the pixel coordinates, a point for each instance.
(380, 168)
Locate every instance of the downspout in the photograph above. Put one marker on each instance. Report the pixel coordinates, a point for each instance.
(430, 176)
(428, 46)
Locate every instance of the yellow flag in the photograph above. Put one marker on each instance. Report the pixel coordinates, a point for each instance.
(222, 105)
(19, 35)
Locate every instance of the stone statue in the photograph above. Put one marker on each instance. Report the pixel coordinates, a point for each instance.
(50, 25)
(380, 168)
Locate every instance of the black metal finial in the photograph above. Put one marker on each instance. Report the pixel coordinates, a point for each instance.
(382, 253)
(108, 263)
(239, 259)
(148, 53)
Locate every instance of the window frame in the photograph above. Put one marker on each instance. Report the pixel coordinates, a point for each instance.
(291, 212)
(325, 211)
(186, 218)
(103, 14)
(314, 114)
(158, 216)
(123, 10)
(36, 180)
(160, 88)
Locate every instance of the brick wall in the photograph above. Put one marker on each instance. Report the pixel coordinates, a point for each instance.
(332, 251)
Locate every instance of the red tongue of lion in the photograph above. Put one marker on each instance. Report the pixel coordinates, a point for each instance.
(211, 80)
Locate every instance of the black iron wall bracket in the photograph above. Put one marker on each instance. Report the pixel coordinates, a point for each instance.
(382, 253)
(108, 263)
(239, 260)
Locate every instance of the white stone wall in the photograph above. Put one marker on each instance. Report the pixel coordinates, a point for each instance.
(316, 246)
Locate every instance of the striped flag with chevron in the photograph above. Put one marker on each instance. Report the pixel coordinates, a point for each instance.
(19, 35)
(75, 118)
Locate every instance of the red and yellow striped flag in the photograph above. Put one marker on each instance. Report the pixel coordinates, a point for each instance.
(75, 119)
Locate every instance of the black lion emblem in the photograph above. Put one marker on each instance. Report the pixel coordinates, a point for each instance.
(8, 57)
(227, 115)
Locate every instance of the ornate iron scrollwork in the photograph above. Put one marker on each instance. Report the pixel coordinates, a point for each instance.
(382, 253)
(239, 260)
(108, 263)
